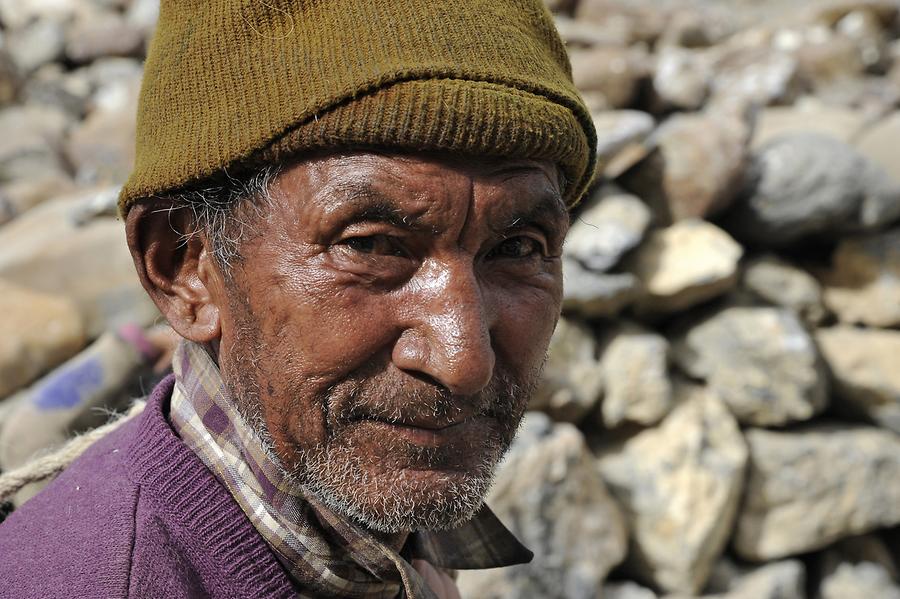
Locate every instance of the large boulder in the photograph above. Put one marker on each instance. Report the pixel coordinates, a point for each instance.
(863, 286)
(634, 362)
(808, 488)
(572, 380)
(549, 492)
(680, 484)
(685, 264)
(37, 332)
(761, 361)
(803, 184)
(863, 364)
(620, 137)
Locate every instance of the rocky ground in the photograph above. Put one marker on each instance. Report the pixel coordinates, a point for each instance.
(720, 412)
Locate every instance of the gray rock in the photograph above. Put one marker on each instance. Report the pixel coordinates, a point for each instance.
(10, 78)
(754, 74)
(36, 44)
(52, 86)
(682, 77)
(591, 294)
(104, 34)
(47, 250)
(761, 361)
(617, 131)
(863, 363)
(782, 284)
(683, 265)
(30, 137)
(17, 14)
(810, 487)
(636, 378)
(861, 566)
(863, 286)
(680, 484)
(101, 148)
(697, 167)
(37, 332)
(808, 183)
(549, 493)
(572, 381)
(611, 224)
(864, 579)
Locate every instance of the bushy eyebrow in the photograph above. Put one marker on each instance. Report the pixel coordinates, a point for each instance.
(363, 203)
(548, 210)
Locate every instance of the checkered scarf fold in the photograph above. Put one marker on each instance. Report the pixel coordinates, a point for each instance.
(324, 554)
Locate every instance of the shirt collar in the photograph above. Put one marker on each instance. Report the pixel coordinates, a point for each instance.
(321, 551)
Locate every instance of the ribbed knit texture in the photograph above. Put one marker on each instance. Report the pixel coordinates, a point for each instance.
(138, 515)
(229, 82)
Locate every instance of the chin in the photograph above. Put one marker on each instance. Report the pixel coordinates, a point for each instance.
(390, 496)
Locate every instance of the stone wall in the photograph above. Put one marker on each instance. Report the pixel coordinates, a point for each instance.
(720, 410)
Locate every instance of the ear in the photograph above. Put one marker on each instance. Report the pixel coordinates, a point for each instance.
(177, 270)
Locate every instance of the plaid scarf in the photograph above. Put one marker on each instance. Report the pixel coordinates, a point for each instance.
(324, 554)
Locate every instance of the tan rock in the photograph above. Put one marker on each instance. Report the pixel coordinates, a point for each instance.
(696, 169)
(680, 485)
(613, 71)
(636, 378)
(549, 493)
(864, 363)
(572, 381)
(810, 487)
(48, 250)
(783, 284)
(761, 361)
(879, 144)
(807, 115)
(685, 264)
(37, 332)
(863, 286)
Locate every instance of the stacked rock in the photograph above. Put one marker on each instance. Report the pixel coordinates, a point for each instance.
(720, 411)
(729, 355)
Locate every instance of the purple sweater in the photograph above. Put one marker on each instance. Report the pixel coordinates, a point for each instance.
(138, 515)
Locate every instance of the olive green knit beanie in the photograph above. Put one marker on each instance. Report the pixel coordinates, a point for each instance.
(228, 82)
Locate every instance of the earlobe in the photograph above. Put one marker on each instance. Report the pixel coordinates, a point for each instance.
(176, 270)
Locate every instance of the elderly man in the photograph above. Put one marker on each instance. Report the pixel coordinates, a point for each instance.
(353, 212)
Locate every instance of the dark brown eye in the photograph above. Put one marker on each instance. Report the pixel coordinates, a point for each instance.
(381, 245)
(516, 248)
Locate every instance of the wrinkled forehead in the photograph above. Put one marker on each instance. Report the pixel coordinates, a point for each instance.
(389, 186)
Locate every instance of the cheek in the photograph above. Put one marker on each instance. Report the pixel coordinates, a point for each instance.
(525, 321)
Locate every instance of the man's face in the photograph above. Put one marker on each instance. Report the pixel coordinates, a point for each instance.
(388, 322)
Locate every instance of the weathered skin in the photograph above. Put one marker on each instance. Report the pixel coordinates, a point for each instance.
(379, 287)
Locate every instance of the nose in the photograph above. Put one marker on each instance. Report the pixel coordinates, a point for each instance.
(448, 332)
